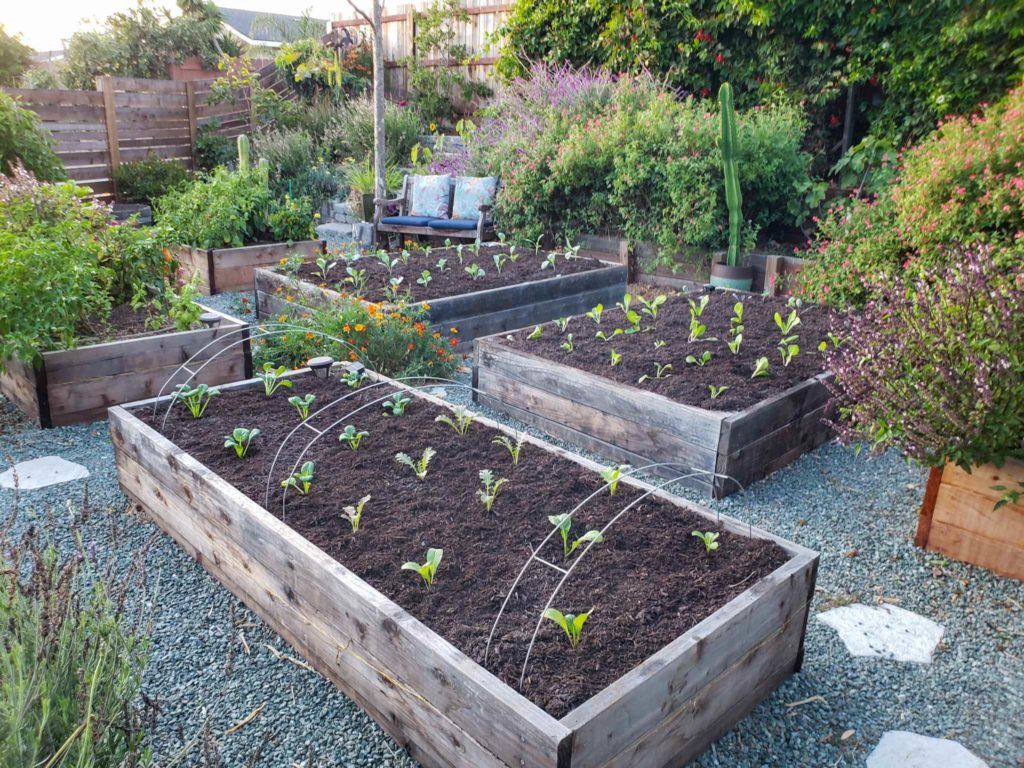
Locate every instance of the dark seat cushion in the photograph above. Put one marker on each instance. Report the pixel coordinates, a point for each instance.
(452, 224)
(408, 221)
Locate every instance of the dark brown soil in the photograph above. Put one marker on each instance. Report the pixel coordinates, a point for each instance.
(454, 280)
(125, 321)
(648, 583)
(689, 383)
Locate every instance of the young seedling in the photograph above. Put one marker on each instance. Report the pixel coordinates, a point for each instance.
(595, 314)
(612, 475)
(404, 256)
(626, 303)
(704, 359)
(271, 378)
(709, 539)
(355, 378)
(608, 336)
(736, 321)
(548, 262)
(302, 404)
(567, 344)
(397, 404)
(500, 260)
(458, 252)
(697, 330)
(489, 493)
(324, 267)
(442, 266)
(357, 279)
(195, 399)
(650, 308)
(419, 466)
(424, 278)
(716, 391)
(513, 254)
(354, 514)
(562, 323)
(535, 333)
(660, 372)
(389, 264)
(659, 343)
(564, 524)
(352, 436)
(760, 368)
(787, 325)
(395, 286)
(616, 358)
(734, 344)
(513, 448)
(302, 480)
(788, 351)
(571, 623)
(460, 420)
(240, 439)
(697, 307)
(427, 570)
(571, 251)
(475, 271)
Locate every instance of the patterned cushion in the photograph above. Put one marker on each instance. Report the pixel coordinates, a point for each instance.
(430, 196)
(471, 193)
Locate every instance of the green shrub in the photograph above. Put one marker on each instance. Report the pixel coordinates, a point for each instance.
(214, 149)
(296, 167)
(145, 180)
(23, 141)
(352, 137)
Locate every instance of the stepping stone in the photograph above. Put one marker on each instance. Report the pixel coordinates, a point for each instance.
(902, 749)
(40, 473)
(885, 631)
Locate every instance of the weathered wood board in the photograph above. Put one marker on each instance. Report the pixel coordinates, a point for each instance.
(721, 451)
(959, 517)
(448, 710)
(480, 313)
(230, 269)
(78, 385)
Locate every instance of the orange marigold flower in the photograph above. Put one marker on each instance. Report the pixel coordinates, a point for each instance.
(453, 342)
(420, 327)
(309, 334)
(352, 355)
(425, 305)
(437, 334)
(282, 318)
(346, 328)
(411, 345)
(360, 327)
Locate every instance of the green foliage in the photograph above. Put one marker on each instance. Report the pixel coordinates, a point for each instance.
(240, 439)
(514, 448)
(143, 181)
(195, 399)
(354, 513)
(571, 623)
(492, 487)
(352, 136)
(420, 465)
(302, 404)
(569, 545)
(312, 68)
(727, 145)
(273, 378)
(352, 436)
(212, 148)
(460, 420)
(23, 141)
(296, 165)
(709, 539)
(15, 58)
(427, 570)
(302, 479)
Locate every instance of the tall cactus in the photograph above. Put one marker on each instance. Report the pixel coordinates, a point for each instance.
(243, 153)
(733, 197)
(263, 172)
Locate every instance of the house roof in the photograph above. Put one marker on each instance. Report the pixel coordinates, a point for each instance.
(259, 27)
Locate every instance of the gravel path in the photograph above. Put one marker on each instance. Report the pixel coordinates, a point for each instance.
(859, 513)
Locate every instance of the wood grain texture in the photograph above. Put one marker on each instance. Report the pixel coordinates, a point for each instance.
(231, 269)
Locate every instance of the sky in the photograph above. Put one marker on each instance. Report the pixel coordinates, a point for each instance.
(44, 23)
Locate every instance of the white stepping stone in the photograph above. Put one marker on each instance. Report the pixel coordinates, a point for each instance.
(903, 749)
(40, 473)
(885, 631)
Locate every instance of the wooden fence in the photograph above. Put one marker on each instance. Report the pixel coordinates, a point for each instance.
(399, 28)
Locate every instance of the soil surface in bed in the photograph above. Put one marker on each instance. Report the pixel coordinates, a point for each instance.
(648, 583)
(454, 280)
(690, 383)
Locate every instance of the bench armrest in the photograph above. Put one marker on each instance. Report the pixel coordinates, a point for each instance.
(379, 201)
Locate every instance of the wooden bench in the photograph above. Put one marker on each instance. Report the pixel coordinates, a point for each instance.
(481, 230)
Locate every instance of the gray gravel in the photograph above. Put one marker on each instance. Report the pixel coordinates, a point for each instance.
(859, 513)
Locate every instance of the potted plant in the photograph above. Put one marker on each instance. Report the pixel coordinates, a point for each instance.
(730, 273)
(935, 368)
(361, 178)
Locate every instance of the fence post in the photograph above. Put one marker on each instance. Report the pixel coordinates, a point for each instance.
(106, 87)
(190, 101)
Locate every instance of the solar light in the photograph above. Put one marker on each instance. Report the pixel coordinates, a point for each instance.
(321, 366)
(210, 319)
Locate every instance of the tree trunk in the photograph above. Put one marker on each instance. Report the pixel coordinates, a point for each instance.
(378, 99)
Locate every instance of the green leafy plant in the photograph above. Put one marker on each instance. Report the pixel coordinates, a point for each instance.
(788, 351)
(734, 343)
(535, 333)
(661, 371)
(352, 437)
(789, 323)
(460, 420)
(760, 368)
(616, 357)
(143, 181)
(500, 260)
(489, 493)
(427, 570)
(729, 147)
(659, 343)
(397, 404)
(420, 465)
(195, 399)
(475, 271)
(567, 344)
(697, 330)
(709, 539)
(704, 359)
(612, 475)
(324, 267)
(513, 448)
(424, 278)
(302, 480)
(608, 336)
(650, 308)
(596, 313)
(302, 404)
(736, 321)
(697, 307)
(716, 391)
(240, 439)
(354, 513)
(562, 323)
(571, 623)
(564, 525)
(354, 378)
(272, 378)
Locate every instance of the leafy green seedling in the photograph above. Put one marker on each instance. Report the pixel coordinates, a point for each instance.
(419, 466)
(195, 399)
(354, 514)
(760, 368)
(659, 343)
(427, 570)
(302, 404)
(606, 336)
(442, 266)
(595, 313)
(302, 480)
(697, 330)
(549, 262)
(564, 525)
(697, 307)
(626, 303)
(240, 439)
(787, 325)
(424, 278)
(571, 623)
(500, 260)
(716, 391)
(567, 344)
(354, 379)
(650, 308)
(513, 448)
(460, 420)
(709, 539)
(660, 372)
(475, 271)
(324, 267)
(535, 333)
(704, 359)
(562, 323)
(489, 493)
(357, 279)
(788, 352)
(612, 475)
(616, 357)
(397, 404)
(352, 436)
(271, 378)
(736, 321)
(734, 345)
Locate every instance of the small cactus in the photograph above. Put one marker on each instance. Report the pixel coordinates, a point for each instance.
(263, 172)
(243, 153)
(733, 197)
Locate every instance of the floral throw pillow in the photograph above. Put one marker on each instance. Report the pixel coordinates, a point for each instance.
(471, 193)
(430, 196)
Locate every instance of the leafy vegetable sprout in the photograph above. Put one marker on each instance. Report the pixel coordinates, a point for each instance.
(549, 262)
(626, 303)
(513, 448)
(475, 271)
(302, 480)
(397, 404)
(564, 525)
(704, 359)
(354, 513)
(616, 357)
(389, 264)
(736, 321)
(272, 378)
(458, 252)
(734, 343)
(716, 391)
(352, 436)
(500, 260)
(302, 404)
(419, 466)
(424, 278)
(567, 344)
(660, 372)
(535, 333)
(650, 308)
(357, 278)
(760, 367)
(709, 539)
(571, 623)
(562, 323)
(460, 420)
(292, 265)
(195, 399)
(788, 351)
(612, 475)
(536, 244)
(240, 439)
(513, 253)
(442, 266)
(659, 343)
(571, 251)
(697, 330)
(394, 287)
(427, 570)
(489, 493)
(595, 313)
(324, 267)
(787, 325)
(608, 336)
(697, 307)
(404, 256)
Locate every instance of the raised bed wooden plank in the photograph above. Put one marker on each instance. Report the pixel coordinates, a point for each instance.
(19, 383)
(231, 269)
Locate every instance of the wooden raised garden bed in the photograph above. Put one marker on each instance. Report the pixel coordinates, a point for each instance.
(77, 385)
(755, 428)
(518, 297)
(959, 517)
(377, 634)
(230, 269)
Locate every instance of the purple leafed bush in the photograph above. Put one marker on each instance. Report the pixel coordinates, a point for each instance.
(935, 366)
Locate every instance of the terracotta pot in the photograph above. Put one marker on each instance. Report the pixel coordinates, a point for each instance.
(733, 278)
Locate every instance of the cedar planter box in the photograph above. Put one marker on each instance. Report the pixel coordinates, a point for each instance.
(77, 385)
(230, 269)
(432, 698)
(958, 517)
(627, 424)
(475, 314)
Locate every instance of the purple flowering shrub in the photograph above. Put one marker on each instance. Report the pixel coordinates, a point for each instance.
(934, 366)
